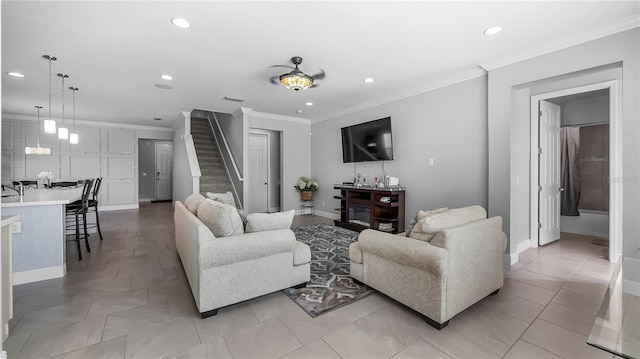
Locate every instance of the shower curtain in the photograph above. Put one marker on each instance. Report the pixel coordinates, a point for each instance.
(570, 170)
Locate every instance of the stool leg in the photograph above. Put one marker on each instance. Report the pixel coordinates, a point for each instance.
(98, 221)
(86, 234)
(78, 236)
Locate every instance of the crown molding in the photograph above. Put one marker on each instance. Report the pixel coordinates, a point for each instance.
(273, 116)
(242, 111)
(434, 85)
(624, 24)
(89, 123)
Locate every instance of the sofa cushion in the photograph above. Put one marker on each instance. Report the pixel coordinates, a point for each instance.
(434, 223)
(193, 201)
(416, 231)
(222, 219)
(301, 254)
(226, 198)
(258, 222)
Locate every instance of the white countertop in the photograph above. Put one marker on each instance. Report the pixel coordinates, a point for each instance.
(42, 197)
(7, 220)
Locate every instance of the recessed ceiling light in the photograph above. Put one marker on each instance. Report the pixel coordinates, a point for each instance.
(166, 77)
(309, 103)
(299, 111)
(181, 23)
(163, 86)
(15, 74)
(368, 80)
(492, 30)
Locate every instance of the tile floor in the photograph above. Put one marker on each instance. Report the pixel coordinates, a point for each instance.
(129, 299)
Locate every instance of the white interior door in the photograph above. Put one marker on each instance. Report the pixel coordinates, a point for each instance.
(549, 173)
(164, 158)
(258, 172)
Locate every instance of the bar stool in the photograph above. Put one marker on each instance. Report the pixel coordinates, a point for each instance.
(93, 205)
(76, 215)
(64, 184)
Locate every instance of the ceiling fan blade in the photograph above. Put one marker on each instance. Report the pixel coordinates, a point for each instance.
(319, 76)
(275, 80)
(314, 86)
(287, 66)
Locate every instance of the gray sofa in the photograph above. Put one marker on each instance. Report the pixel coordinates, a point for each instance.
(228, 270)
(458, 264)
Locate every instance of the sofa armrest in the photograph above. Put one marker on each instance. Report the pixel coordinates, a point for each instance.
(243, 247)
(404, 250)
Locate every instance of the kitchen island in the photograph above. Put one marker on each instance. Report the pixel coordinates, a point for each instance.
(39, 247)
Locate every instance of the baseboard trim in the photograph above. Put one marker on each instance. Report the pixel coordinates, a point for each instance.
(328, 214)
(37, 275)
(118, 207)
(513, 258)
(146, 199)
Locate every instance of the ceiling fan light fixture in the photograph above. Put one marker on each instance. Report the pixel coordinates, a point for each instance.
(296, 81)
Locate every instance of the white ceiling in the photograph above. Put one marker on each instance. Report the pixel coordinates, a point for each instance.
(116, 51)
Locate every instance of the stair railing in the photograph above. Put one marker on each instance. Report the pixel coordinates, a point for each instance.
(227, 157)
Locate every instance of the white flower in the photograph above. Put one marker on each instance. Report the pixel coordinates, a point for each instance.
(45, 174)
(302, 184)
(315, 184)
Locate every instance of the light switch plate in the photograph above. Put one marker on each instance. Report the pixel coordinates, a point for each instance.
(16, 227)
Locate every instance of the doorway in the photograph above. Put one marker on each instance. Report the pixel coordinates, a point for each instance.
(547, 188)
(155, 163)
(264, 171)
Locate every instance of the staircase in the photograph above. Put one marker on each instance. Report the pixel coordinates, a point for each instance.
(214, 177)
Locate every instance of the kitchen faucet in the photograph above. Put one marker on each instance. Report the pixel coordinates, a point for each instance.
(19, 188)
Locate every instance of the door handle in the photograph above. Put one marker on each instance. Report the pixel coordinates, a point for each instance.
(561, 189)
(265, 183)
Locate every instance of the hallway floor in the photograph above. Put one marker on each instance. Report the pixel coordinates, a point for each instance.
(129, 298)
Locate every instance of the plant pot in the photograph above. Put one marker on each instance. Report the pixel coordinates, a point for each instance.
(306, 195)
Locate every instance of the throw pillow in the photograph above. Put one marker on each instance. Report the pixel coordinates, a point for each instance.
(226, 198)
(454, 217)
(412, 223)
(416, 231)
(258, 222)
(222, 219)
(193, 201)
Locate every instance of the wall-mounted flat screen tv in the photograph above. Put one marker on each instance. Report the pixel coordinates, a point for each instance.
(369, 141)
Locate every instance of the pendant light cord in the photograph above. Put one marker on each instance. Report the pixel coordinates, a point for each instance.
(38, 128)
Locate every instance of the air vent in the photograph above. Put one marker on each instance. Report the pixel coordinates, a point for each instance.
(234, 99)
(163, 86)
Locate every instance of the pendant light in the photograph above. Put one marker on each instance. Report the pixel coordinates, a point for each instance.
(37, 150)
(63, 132)
(73, 136)
(50, 124)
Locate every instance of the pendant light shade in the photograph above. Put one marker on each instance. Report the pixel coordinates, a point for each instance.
(63, 132)
(73, 136)
(50, 124)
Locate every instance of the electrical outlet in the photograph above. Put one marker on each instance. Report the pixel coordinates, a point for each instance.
(430, 162)
(322, 203)
(16, 227)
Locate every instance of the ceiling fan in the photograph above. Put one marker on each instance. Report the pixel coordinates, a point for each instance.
(296, 80)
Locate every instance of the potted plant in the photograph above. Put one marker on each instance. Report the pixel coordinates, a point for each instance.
(306, 186)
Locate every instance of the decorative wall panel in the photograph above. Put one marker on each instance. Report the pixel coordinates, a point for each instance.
(36, 164)
(7, 136)
(80, 167)
(120, 167)
(89, 140)
(120, 193)
(120, 141)
(7, 168)
(31, 137)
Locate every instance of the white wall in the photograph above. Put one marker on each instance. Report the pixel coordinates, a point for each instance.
(296, 145)
(232, 127)
(507, 125)
(104, 150)
(182, 177)
(447, 124)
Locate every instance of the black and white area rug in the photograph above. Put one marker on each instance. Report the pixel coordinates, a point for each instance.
(330, 286)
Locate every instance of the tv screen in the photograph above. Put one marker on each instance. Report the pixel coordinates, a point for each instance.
(369, 141)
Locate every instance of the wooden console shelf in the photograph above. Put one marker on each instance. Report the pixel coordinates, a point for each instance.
(362, 208)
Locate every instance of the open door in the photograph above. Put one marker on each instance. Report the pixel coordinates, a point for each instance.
(549, 187)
